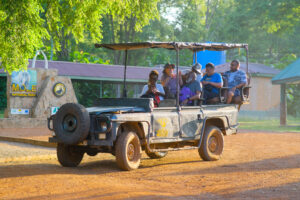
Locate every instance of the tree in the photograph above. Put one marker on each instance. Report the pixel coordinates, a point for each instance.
(26, 26)
(269, 27)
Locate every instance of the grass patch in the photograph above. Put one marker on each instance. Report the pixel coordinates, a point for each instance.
(293, 125)
(1, 114)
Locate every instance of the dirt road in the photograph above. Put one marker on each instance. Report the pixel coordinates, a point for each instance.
(254, 166)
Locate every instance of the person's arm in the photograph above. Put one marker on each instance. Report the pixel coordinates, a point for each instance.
(195, 97)
(164, 80)
(217, 85)
(150, 89)
(145, 88)
(218, 82)
(180, 78)
(243, 82)
(160, 89)
(238, 86)
(203, 80)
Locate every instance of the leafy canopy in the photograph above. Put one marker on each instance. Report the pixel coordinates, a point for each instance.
(25, 25)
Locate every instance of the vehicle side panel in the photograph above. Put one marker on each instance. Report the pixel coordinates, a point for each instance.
(191, 121)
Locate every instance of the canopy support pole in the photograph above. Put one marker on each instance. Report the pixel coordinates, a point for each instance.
(283, 110)
(177, 74)
(247, 59)
(196, 61)
(125, 69)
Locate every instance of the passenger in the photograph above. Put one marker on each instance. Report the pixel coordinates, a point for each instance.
(153, 89)
(197, 69)
(191, 90)
(169, 80)
(211, 82)
(236, 79)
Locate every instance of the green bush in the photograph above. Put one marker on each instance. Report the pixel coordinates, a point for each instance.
(3, 98)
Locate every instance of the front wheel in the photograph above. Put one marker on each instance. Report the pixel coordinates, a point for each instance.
(128, 151)
(68, 156)
(212, 145)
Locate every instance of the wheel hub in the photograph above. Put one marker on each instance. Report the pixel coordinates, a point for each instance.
(69, 123)
(213, 144)
(130, 152)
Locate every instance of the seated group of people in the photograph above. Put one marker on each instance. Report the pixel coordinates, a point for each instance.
(193, 85)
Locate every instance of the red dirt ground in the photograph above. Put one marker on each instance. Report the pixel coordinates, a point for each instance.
(253, 166)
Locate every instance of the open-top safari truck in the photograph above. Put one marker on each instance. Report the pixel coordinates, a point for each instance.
(126, 126)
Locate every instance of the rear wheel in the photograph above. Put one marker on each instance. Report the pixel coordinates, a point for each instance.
(156, 155)
(212, 145)
(128, 151)
(68, 156)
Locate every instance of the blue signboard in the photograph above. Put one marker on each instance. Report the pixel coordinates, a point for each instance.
(23, 83)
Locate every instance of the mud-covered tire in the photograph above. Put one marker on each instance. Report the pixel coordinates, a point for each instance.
(156, 155)
(212, 144)
(71, 123)
(68, 156)
(128, 151)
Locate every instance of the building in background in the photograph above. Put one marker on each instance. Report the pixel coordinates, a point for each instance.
(108, 82)
(103, 80)
(289, 75)
(264, 97)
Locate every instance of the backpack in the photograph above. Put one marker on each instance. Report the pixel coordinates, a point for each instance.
(155, 98)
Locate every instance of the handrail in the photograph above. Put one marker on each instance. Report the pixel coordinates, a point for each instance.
(34, 59)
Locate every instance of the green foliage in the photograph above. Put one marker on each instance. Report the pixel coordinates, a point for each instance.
(270, 125)
(293, 99)
(285, 61)
(26, 26)
(3, 99)
(21, 32)
(84, 57)
(86, 92)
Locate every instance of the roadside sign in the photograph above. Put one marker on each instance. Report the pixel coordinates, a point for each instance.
(54, 110)
(19, 111)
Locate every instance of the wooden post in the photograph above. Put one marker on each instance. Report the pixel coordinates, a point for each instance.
(283, 110)
(100, 89)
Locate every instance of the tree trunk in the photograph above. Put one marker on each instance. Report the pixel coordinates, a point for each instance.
(283, 110)
(113, 38)
(63, 54)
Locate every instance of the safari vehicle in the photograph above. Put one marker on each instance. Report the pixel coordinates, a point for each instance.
(126, 126)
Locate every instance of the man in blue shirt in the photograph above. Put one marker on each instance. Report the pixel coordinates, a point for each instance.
(211, 83)
(236, 80)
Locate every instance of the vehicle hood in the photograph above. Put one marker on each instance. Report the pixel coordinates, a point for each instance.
(115, 109)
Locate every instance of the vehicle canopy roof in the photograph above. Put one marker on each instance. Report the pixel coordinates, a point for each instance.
(193, 46)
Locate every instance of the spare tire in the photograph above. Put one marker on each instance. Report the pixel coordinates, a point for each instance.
(71, 123)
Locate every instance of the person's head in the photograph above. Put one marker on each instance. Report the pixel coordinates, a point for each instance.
(190, 77)
(153, 77)
(197, 68)
(210, 69)
(168, 69)
(235, 65)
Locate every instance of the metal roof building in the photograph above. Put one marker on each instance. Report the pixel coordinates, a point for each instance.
(255, 69)
(264, 97)
(289, 75)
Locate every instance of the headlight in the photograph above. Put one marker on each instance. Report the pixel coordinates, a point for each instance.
(103, 124)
